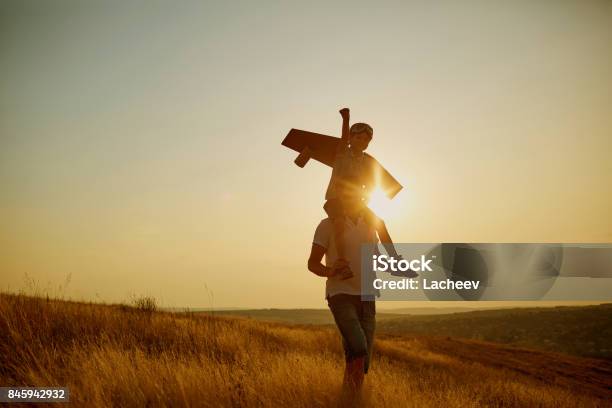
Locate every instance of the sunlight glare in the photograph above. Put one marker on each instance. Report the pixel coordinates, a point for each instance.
(382, 206)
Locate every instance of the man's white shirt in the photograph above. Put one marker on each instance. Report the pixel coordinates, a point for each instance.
(355, 235)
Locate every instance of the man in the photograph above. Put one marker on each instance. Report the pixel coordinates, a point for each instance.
(353, 310)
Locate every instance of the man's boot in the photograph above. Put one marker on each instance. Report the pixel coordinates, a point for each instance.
(355, 373)
(347, 373)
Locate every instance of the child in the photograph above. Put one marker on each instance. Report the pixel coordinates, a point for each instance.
(351, 182)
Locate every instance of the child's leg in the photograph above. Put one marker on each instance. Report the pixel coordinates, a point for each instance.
(335, 211)
(341, 266)
(385, 238)
(383, 233)
(338, 223)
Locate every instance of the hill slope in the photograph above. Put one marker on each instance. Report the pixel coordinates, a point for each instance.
(295, 316)
(582, 331)
(123, 356)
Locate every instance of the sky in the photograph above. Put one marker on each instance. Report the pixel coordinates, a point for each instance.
(140, 141)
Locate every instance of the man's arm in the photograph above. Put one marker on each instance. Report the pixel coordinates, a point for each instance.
(314, 262)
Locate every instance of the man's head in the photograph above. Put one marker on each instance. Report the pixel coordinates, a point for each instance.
(353, 207)
(360, 136)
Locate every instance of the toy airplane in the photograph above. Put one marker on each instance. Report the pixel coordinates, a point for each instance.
(323, 149)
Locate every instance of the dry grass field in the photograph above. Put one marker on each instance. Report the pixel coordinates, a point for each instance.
(114, 355)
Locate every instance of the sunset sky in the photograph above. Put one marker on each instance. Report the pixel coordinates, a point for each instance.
(140, 143)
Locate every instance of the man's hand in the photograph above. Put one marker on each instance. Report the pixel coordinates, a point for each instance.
(345, 112)
(331, 272)
(342, 269)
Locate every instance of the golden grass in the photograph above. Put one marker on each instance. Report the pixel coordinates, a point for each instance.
(112, 355)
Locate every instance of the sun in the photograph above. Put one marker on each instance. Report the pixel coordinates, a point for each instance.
(383, 206)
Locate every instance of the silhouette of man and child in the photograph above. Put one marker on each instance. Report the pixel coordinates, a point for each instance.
(340, 236)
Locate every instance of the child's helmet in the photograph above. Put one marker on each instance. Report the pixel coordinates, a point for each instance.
(362, 127)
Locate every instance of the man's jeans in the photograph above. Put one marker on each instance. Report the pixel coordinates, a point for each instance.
(356, 320)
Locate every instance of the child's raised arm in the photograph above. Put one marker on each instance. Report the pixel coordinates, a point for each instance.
(344, 140)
